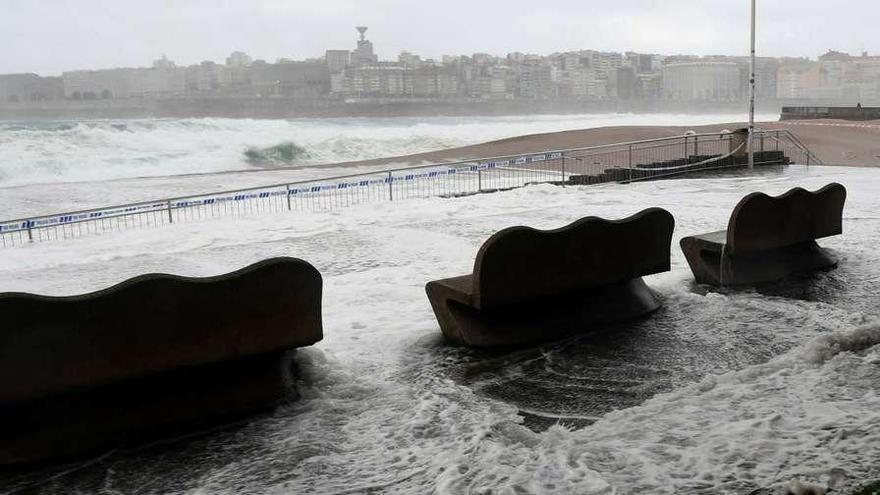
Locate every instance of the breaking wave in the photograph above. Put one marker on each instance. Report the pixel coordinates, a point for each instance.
(64, 151)
(280, 154)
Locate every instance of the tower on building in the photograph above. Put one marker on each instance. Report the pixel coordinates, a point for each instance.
(364, 52)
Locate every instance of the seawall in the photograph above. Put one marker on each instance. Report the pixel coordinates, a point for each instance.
(830, 112)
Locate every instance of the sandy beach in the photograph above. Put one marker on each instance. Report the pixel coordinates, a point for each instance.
(835, 142)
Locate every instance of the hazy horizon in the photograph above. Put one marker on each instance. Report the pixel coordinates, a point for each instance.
(55, 36)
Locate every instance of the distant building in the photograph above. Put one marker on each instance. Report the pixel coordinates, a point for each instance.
(95, 84)
(163, 63)
(603, 61)
(337, 60)
(235, 80)
(124, 83)
(394, 79)
(832, 66)
(797, 80)
(581, 83)
(450, 59)
(766, 72)
(165, 82)
(306, 80)
(867, 66)
(204, 78)
(483, 59)
(626, 83)
(29, 87)
(536, 81)
(861, 82)
(380, 79)
(704, 80)
(649, 86)
(409, 60)
(516, 57)
(432, 82)
(494, 84)
(239, 59)
(570, 61)
(641, 63)
(571, 75)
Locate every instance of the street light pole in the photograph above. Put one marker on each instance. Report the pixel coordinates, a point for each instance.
(751, 149)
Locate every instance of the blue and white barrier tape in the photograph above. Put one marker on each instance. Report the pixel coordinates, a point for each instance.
(161, 206)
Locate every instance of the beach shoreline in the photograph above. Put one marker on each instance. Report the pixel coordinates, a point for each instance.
(835, 142)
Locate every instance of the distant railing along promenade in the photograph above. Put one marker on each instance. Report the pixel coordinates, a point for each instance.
(857, 113)
(620, 162)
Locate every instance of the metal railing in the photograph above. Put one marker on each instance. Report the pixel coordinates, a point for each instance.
(620, 162)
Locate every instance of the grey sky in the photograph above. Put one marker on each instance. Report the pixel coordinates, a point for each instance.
(50, 36)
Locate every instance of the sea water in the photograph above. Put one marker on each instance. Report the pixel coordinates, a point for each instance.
(54, 166)
(718, 392)
(53, 151)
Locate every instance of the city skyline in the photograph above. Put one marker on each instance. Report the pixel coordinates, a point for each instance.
(352, 47)
(138, 32)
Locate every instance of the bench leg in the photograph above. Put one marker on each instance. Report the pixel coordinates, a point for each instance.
(766, 267)
(547, 320)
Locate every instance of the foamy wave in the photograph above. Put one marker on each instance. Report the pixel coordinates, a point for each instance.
(63, 151)
(827, 346)
(99, 150)
(801, 421)
(280, 154)
(809, 414)
(797, 422)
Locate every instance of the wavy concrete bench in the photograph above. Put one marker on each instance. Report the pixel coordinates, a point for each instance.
(530, 285)
(768, 238)
(155, 352)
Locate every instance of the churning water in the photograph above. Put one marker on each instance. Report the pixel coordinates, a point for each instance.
(45, 152)
(719, 392)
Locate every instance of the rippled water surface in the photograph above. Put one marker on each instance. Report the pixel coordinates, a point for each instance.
(718, 392)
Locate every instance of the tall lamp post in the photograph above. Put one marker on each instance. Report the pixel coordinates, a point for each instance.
(751, 149)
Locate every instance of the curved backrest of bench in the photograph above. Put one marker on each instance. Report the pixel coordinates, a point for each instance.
(521, 263)
(761, 222)
(154, 323)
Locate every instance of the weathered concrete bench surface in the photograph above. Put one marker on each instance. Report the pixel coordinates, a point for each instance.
(117, 360)
(768, 238)
(529, 285)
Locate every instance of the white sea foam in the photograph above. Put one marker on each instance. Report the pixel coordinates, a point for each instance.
(64, 151)
(384, 408)
(828, 346)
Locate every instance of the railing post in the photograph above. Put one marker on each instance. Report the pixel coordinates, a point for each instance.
(630, 162)
(656, 150)
(563, 170)
(390, 187)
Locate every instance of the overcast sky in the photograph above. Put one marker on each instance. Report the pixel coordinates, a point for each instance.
(51, 36)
